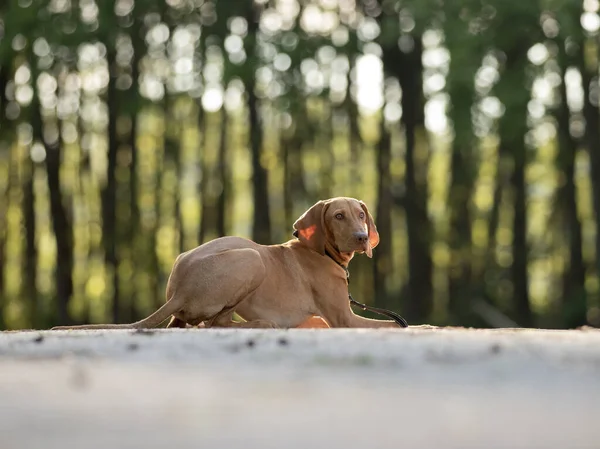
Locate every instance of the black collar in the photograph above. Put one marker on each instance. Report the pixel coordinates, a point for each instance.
(345, 268)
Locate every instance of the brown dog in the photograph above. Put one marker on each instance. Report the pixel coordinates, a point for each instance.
(276, 286)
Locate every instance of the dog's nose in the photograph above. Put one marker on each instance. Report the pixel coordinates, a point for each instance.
(361, 237)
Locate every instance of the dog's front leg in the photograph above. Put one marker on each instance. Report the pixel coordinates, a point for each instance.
(338, 313)
(354, 320)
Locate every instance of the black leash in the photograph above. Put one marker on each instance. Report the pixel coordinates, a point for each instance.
(393, 315)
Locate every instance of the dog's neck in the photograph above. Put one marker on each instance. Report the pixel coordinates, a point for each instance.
(333, 252)
(342, 259)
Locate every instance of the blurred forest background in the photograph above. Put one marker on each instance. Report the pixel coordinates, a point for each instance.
(132, 130)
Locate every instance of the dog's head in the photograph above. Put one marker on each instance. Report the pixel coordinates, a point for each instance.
(343, 223)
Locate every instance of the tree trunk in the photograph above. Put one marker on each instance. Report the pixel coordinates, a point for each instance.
(261, 227)
(109, 192)
(419, 230)
(204, 225)
(460, 288)
(175, 147)
(354, 137)
(134, 211)
(61, 220)
(2, 259)
(574, 297)
(592, 140)
(5, 153)
(223, 173)
(212, 158)
(294, 186)
(172, 154)
(134, 239)
(63, 231)
(29, 292)
(520, 248)
(288, 201)
(513, 127)
(382, 258)
(407, 67)
(2, 264)
(324, 141)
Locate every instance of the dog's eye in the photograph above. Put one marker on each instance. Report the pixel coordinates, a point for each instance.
(339, 216)
(361, 215)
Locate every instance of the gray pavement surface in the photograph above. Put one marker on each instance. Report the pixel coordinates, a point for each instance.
(309, 389)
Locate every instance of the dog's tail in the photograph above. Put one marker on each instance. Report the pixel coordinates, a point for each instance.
(165, 311)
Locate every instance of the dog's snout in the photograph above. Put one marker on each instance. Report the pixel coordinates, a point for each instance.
(361, 237)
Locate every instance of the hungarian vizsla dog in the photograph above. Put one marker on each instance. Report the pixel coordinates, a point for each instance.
(275, 286)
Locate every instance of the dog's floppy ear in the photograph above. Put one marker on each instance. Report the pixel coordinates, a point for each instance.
(310, 227)
(371, 229)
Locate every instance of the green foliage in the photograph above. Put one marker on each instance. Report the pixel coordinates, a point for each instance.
(440, 114)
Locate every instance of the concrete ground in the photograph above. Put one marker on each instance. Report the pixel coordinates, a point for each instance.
(309, 389)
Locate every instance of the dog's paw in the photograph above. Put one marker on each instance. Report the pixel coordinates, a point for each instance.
(314, 322)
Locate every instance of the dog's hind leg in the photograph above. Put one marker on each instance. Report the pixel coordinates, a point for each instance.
(213, 286)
